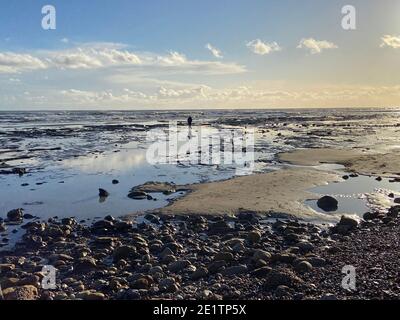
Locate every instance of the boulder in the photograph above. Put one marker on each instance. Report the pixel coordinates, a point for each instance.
(261, 272)
(137, 195)
(178, 265)
(15, 215)
(328, 204)
(254, 236)
(235, 270)
(201, 272)
(27, 292)
(279, 277)
(303, 267)
(224, 256)
(370, 216)
(103, 193)
(125, 252)
(219, 227)
(261, 255)
(85, 265)
(91, 295)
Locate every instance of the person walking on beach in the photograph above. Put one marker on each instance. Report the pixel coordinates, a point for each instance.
(189, 121)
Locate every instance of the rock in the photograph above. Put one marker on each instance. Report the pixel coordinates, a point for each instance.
(370, 216)
(303, 267)
(123, 226)
(153, 271)
(57, 257)
(329, 297)
(216, 266)
(15, 215)
(85, 265)
(394, 212)
(115, 181)
(178, 266)
(28, 216)
(348, 221)
(345, 226)
(248, 216)
(279, 277)
(141, 283)
(168, 285)
(261, 272)
(137, 195)
(32, 280)
(168, 259)
(125, 252)
(91, 295)
(2, 227)
(284, 257)
(254, 236)
(105, 241)
(224, 256)
(219, 227)
(6, 267)
(27, 292)
(282, 291)
(102, 226)
(261, 255)
(391, 195)
(238, 248)
(166, 252)
(305, 246)
(103, 193)
(328, 204)
(317, 262)
(346, 177)
(235, 270)
(199, 273)
(152, 218)
(397, 200)
(387, 220)
(110, 218)
(379, 179)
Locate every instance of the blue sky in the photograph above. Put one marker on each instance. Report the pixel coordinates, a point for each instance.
(152, 54)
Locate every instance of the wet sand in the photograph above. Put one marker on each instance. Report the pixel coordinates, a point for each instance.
(279, 192)
(360, 161)
(283, 191)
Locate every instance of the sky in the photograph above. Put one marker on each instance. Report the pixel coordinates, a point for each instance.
(183, 54)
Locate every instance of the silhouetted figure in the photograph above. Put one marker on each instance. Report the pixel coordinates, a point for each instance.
(190, 121)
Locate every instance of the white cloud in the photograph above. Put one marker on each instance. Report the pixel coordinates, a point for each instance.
(263, 48)
(13, 62)
(316, 46)
(184, 96)
(176, 62)
(215, 51)
(88, 58)
(104, 55)
(390, 41)
(64, 40)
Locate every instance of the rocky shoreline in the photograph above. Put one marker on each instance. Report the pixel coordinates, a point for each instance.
(204, 257)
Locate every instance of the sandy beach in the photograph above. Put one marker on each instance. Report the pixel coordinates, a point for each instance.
(362, 161)
(281, 192)
(200, 231)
